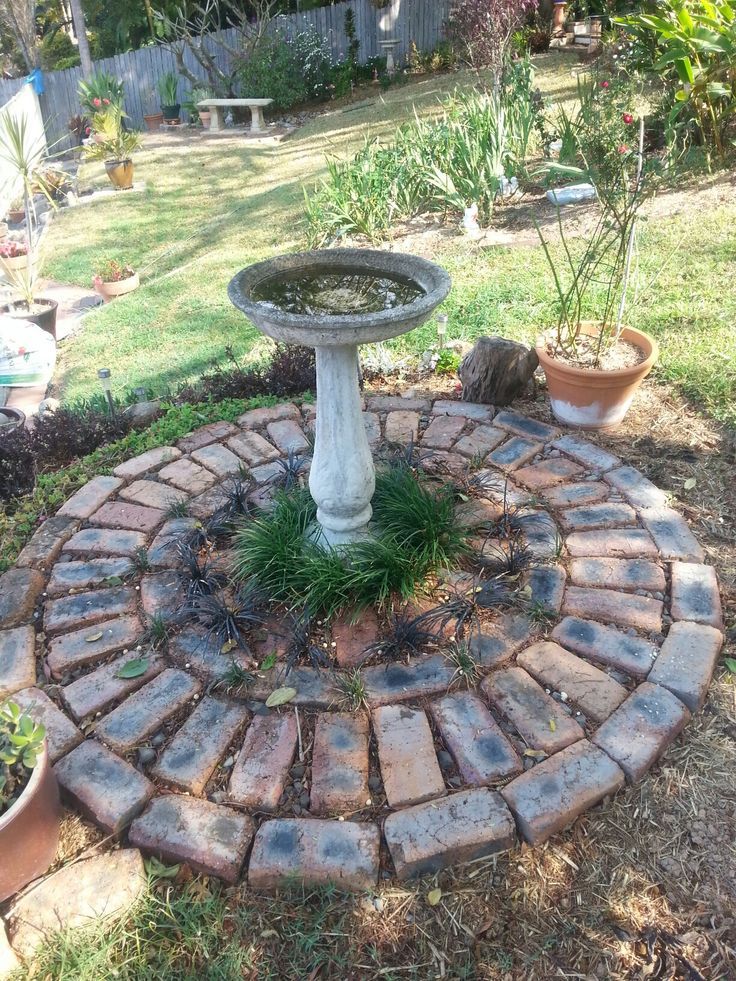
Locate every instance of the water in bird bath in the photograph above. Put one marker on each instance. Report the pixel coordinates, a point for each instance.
(324, 293)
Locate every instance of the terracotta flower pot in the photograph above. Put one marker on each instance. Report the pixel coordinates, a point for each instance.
(154, 121)
(108, 291)
(16, 215)
(120, 173)
(590, 398)
(205, 118)
(29, 831)
(16, 263)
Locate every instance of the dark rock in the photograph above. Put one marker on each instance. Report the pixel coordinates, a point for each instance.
(445, 760)
(146, 755)
(497, 371)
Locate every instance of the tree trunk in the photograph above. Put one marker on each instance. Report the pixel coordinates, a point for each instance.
(81, 31)
(497, 371)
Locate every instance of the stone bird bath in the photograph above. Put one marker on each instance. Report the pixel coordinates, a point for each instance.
(333, 300)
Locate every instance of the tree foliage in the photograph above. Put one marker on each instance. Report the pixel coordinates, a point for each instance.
(482, 29)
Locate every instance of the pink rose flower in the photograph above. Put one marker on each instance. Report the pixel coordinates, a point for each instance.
(106, 102)
(605, 85)
(628, 118)
(623, 149)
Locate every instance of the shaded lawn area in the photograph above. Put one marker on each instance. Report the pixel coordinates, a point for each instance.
(213, 206)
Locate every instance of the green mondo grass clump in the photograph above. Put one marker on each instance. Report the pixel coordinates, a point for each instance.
(417, 533)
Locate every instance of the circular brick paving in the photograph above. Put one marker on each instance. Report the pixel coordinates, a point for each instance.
(567, 708)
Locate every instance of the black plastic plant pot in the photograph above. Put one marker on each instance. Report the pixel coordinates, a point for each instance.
(45, 319)
(171, 112)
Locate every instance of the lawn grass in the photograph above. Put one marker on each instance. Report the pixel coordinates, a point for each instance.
(211, 207)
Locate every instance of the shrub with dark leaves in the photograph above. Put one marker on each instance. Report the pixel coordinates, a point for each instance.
(67, 434)
(292, 371)
(17, 463)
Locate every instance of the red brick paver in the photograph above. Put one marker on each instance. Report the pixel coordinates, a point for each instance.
(406, 754)
(340, 763)
(481, 751)
(262, 766)
(686, 662)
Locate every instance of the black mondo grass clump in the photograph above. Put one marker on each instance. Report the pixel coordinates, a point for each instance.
(227, 621)
(407, 635)
(292, 471)
(301, 647)
(199, 574)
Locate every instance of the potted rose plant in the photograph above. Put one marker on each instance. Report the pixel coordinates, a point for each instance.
(113, 278)
(114, 147)
(593, 361)
(21, 161)
(29, 801)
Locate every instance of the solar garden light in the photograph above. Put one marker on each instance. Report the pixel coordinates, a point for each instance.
(442, 320)
(104, 375)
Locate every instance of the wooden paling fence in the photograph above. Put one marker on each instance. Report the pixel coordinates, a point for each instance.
(408, 21)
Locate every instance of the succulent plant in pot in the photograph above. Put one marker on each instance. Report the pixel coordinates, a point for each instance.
(593, 361)
(115, 146)
(113, 278)
(22, 158)
(29, 801)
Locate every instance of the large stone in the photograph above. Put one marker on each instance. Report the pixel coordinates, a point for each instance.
(85, 609)
(624, 574)
(102, 786)
(638, 732)
(47, 542)
(461, 828)
(69, 576)
(105, 541)
(672, 534)
(497, 370)
(536, 716)
(547, 473)
(443, 431)
(192, 755)
(96, 691)
(467, 409)
(210, 838)
(402, 426)
(262, 766)
(61, 733)
(206, 435)
(587, 687)
(340, 763)
(481, 751)
(253, 448)
(547, 798)
(90, 497)
(146, 462)
(298, 852)
(606, 645)
(256, 418)
(288, 436)
(19, 592)
(73, 650)
(219, 459)
(480, 441)
(188, 476)
(123, 514)
(104, 886)
(17, 660)
(514, 453)
(695, 594)
(152, 494)
(395, 682)
(622, 609)
(142, 713)
(409, 766)
(625, 543)
(585, 452)
(686, 662)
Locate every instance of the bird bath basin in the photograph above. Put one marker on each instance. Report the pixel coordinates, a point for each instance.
(333, 300)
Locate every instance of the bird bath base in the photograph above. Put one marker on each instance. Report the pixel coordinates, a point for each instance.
(334, 300)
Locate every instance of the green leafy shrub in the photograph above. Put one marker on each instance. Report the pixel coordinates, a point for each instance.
(691, 46)
(289, 68)
(439, 166)
(21, 741)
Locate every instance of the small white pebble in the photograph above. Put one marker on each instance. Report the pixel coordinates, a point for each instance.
(125, 650)
(341, 818)
(138, 587)
(98, 714)
(333, 644)
(139, 647)
(548, 691)
(187, 665)
(563, 696)
(196, 698)
(368, 802)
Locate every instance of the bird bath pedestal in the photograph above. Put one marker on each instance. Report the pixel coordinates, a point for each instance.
(333, 300)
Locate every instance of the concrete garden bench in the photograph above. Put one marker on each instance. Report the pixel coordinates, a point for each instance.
(255, 105)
